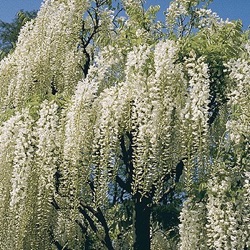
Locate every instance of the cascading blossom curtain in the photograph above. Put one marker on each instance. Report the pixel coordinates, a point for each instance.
(138, 105)
(46, 56)
(63, 136)
(52, 40)
(225, 217)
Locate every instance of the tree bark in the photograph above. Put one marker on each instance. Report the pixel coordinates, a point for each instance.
(142, 214)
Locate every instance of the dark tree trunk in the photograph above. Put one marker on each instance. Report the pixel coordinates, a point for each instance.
(142, 209)
(142, 214)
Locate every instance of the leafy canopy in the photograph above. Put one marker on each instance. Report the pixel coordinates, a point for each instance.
(9, 31)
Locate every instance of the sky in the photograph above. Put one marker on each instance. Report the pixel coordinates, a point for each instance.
(232, 9)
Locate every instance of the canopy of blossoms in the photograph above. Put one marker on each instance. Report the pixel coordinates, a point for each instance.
(140, 94)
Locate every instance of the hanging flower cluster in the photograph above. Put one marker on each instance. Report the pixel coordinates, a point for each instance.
(30, 146)
(195, 118)
(193, 225)
(156, 86)
(23, 154)
(225, 214)
(178, 12)
(239, 100)
(52, 40)
(32, 161)
(46, 164)
(17, 157)
(225, 229)
(144, 106)
(7, 139)
(207, 18)
(246, 200)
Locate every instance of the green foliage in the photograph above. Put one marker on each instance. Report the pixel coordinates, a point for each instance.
(218, 42)
(9, 31)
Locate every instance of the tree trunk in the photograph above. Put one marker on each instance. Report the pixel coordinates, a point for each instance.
(142, 224)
